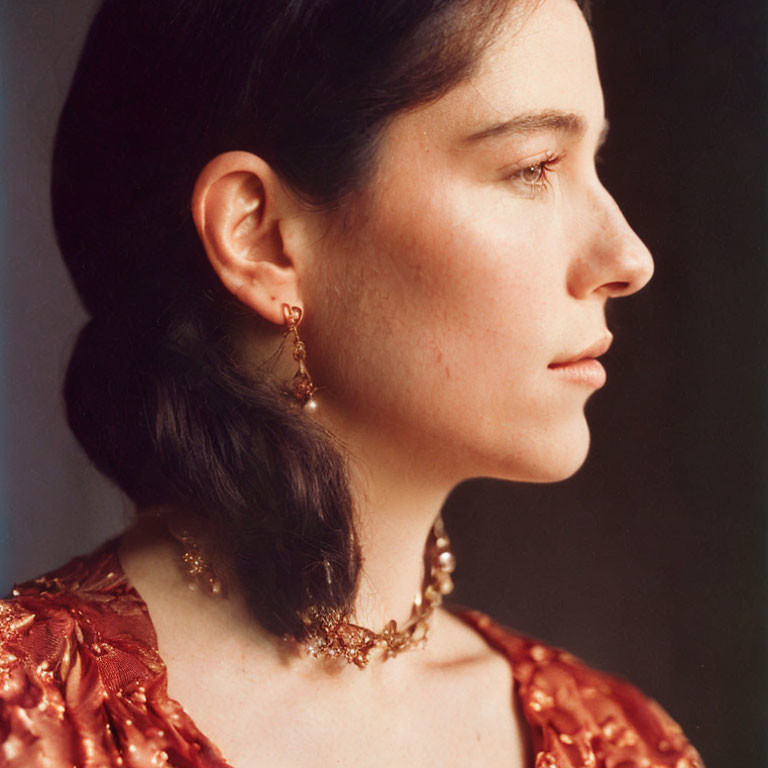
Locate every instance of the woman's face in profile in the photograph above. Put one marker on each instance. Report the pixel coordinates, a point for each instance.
(466, 268)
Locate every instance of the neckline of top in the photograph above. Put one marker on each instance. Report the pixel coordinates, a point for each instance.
(510, 644)
(507, 643)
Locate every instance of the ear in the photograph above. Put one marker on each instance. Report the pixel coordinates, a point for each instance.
(238, 205)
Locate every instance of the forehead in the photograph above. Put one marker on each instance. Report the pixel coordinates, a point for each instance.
(548, 52)
(541, 60)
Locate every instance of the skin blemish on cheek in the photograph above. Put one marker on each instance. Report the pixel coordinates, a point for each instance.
(447, 372)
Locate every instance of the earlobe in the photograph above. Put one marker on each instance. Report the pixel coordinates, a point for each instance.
(237, 205)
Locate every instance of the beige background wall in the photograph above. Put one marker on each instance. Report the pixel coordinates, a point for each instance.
(54, 505)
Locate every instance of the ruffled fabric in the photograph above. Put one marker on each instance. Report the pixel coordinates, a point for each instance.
(81, 680)
(82, 684)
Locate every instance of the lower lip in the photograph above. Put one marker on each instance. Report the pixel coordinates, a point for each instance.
(587, 371)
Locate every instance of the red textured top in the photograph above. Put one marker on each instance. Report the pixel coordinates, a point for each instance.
(82, 684)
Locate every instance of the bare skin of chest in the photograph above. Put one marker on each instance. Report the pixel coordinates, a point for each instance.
(449, 722)
(450, 704)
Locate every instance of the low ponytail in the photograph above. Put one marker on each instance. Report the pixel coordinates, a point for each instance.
(169, 417)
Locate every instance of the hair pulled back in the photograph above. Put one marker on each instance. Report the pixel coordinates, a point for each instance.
(153, 390)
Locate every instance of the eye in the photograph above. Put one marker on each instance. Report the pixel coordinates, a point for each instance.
(534, 174)
(535, 177)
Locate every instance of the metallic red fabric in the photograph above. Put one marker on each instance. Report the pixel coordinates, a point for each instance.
(82, 684)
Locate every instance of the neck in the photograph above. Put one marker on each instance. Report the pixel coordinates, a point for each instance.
(396, 507)
(394, 520)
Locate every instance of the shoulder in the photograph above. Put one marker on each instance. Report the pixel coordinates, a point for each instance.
(582, 716)
(69, 640)
(85, 603)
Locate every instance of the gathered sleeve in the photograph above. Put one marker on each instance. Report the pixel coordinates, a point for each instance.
(50, 690)
(81, 681)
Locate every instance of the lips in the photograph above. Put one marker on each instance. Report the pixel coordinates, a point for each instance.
(600, 347)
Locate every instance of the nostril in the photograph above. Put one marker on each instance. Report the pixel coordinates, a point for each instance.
(618, 287)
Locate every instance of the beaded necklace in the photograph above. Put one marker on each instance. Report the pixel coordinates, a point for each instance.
(333, 635)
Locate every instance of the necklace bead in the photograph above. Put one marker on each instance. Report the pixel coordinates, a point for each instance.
(333, 635)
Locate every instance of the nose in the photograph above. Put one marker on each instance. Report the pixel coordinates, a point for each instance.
(615, 261)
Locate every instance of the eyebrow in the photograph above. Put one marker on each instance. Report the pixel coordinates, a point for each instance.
(536, 122)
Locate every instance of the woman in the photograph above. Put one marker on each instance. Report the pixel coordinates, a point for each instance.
(338, 257)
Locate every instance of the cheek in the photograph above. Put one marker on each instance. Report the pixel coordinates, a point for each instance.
(448, 307)
(479, 282)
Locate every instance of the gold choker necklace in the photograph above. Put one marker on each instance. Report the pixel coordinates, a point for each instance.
(332, 635)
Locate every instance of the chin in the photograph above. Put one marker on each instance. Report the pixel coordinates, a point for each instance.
(555, 458)
(563, 471)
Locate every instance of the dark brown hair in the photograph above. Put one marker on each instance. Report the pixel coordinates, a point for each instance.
(154, 392)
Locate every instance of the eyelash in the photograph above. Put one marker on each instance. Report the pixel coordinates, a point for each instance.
(539, 186)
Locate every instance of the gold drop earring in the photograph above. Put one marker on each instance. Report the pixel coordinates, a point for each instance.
(302, 387)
